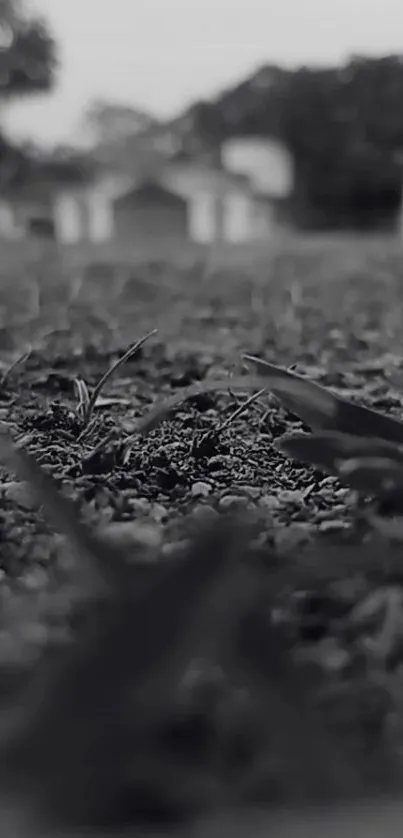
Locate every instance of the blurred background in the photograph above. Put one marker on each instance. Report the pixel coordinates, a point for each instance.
(203, 122)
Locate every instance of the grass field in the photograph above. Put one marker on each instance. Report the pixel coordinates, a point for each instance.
(334, 307)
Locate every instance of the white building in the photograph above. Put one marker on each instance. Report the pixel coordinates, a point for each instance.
(144, 197)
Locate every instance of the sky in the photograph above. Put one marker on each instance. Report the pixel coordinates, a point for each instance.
(163, 54)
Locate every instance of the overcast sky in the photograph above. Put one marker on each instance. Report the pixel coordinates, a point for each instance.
(162, 54)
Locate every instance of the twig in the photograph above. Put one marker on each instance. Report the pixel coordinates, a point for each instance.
(241, 409)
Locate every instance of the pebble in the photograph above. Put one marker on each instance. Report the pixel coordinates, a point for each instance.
(329, 514)
(332, 526)
(130, 533)
(328, 655)
(327, 482)
(172, 548)
(229, 501)
(200, 489)
(158, 512)
(251, 491)
(139, 505)
(35, 580)
(269, 502)
(296, 496)
(204, 513)
(293, 536)
(342, 493)
(19, 493)
(219, 461)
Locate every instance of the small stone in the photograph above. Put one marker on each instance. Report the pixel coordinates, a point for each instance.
(139, 505)
(329, 514)
(131, 533)
(230, 501)
(158, 512)
(19, 493)
(204, 513)
(200, 489)
(332, 526)
(219, 461)
(269, 502)
(328, 654)
(293, 536)
(250, 491)
(341, 493)
(35, 580)
(173, 548)
(327, 482)
(296, 496)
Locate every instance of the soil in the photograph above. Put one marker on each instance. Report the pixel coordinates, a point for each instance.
(333, 309)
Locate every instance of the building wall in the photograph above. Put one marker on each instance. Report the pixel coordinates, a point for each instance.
(205, 218)
(85, 213)
(150, 213)
(189, 201)
(68, 218)
(239, 218)
(220, 207)
(266, 162)
(204, 190)
(22, 218)
(265, 220)
(9, 227)
(100, 216)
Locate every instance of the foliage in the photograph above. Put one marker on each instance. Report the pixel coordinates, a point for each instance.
(343, 126)
(27, 52)
(27, 65)
(111, 122)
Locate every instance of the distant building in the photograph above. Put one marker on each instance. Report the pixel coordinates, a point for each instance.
(27, 211)
(27, 206)
(266, 162)
(140, 196)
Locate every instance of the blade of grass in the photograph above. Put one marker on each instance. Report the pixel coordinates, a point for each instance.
(376, 476)
(325, 448)
(323, 410)
(370, 466)
(83, 397)
(131, 352)
(161, 411)
(163, 408)
(20, 360)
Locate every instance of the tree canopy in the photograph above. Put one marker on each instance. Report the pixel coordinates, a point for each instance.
(343, 126)
(27, 65)
(27, 52)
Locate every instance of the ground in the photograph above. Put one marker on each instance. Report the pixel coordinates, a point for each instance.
(334, 308)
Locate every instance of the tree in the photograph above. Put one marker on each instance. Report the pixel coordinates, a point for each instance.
(27, 65)
(111, 122)
(27, 52)
(343, 126)
(250, 108)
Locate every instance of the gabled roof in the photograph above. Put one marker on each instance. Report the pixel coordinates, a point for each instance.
(153, 190)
